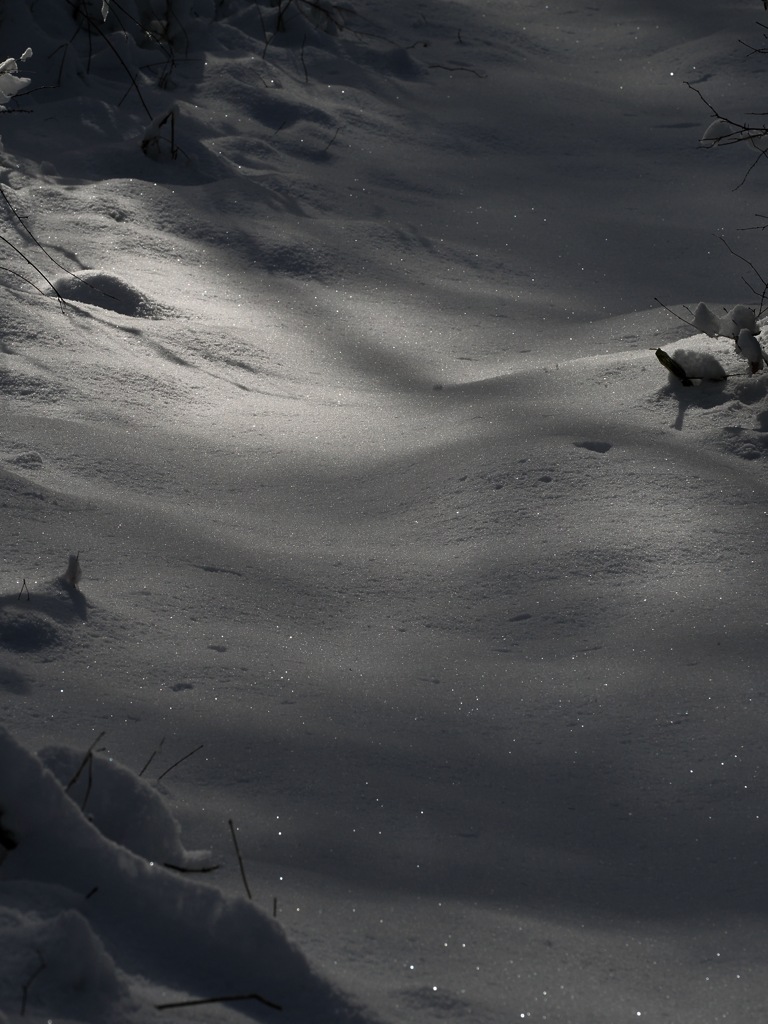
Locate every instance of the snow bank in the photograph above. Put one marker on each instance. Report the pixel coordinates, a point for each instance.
(93, 929)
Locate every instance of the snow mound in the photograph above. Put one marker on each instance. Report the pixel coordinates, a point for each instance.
(75, 973)
(702, 365)
(28, 627)
(25, 632)
(97, 288)
(90, 929)
(123, 807)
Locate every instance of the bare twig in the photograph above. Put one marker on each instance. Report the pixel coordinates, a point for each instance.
(328, 11)
(181, 759)
(446, 67)
(23, 277)
(26, 229)
(741, 133)
(757, 227)
(94, 26)
(152, 756)
(89, 783)
(690, 323)
(760, 156)
(332, 139)
(192, 871)
(83, 763)
(219, 999)
(240, 859)
(34, 266)
(706, 102)
(754, 270)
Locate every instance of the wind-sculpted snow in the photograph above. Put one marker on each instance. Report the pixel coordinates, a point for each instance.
(416, 539)
(110, 928)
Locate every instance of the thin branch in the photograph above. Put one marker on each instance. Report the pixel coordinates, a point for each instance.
(333, 139)
(326, 11)
(34, 266)
(83, 763)
(240, 859)
(282, 8)
(706, 102)
(181, 759)
(89, 784)
(751, 168)
(23, 277)
(690, 323)
(94, 25)
(192, 871)
(757, 227)
(34, 238)
(742, 133)
(471, 71)
(754, 270)
(152, 756)
(219, 999)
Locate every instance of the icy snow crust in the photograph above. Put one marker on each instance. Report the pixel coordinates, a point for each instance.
(400, 549)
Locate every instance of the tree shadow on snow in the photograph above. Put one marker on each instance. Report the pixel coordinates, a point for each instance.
(705, 390)
(556, 806)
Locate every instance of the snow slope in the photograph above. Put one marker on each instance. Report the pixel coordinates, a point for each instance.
(388, 517)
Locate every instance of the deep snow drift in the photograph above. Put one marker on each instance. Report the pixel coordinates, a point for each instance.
(329, 347)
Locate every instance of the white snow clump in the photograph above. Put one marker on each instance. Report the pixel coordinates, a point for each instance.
(705, 321)
(748, 345)
(10, 83)
(735, 320)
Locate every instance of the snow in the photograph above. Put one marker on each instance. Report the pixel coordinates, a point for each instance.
(405, 574)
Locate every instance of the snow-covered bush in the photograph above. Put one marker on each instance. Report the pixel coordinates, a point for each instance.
(10, 83)
(738, 324)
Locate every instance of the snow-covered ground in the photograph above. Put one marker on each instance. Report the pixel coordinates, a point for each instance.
(328, 343)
